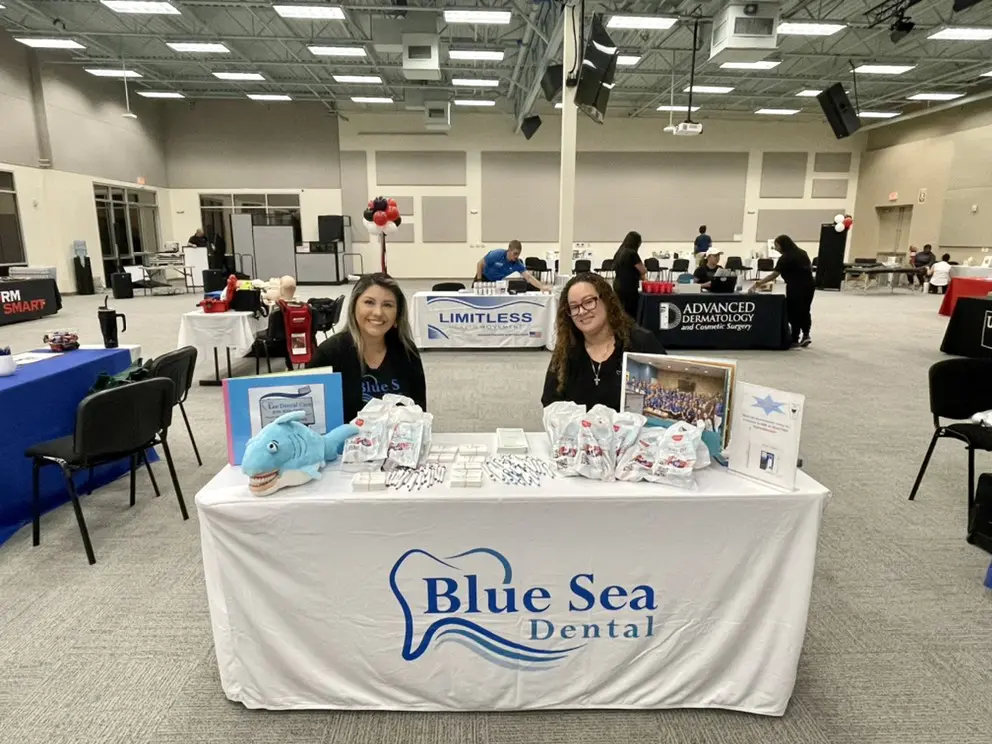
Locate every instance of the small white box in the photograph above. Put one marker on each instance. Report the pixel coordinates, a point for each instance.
(360, 482)
(473, 449)
(446, 457)
(377, 481)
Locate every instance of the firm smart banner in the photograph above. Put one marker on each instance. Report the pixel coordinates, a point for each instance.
(469, 321)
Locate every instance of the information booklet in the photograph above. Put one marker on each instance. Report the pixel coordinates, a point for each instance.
(252, 402)
(666, 388)
(766, 426)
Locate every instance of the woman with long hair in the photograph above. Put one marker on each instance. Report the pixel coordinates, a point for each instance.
(628, 272)
(796, 270)
(375, 354)
(594, 331)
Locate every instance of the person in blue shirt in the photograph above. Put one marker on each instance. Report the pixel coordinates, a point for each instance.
(702, 242)
(498, 264)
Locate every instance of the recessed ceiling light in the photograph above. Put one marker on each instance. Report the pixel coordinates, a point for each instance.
(476, 82)
(371, 99)
(777, 112)
(883, 69)
(159, 94)
(239, 76)
(764, 64)
(337, 51)
(129, 115)
(312, 12)
(878, 114)
(708, 89)
(935, 96)
(628, 60)
(654, 23)
(39, 43)
(473, 102)
(269, 97)
(141, 7)
(476, 54)
(198, 47)
(962, 34)
(559, 105)
(681, 109)
(809, 29)
(501, 17)
(986, 74)
(112, 72)
(808, 93)
(365, 79)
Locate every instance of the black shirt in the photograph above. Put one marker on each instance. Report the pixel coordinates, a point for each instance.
(705, 274)
(625, 273)
(199, 240)
(924, 259)
(401, 372)
(795, 269)
(580, 385)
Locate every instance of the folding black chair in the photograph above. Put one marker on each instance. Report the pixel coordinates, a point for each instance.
(448, 287)
(736, 264)
(680, 265)
(653, 267)
(959, 388)
(606, 268)
(178, 366)
(110, 425)
(583, 266)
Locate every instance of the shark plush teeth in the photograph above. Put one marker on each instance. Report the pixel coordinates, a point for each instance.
(289, 453)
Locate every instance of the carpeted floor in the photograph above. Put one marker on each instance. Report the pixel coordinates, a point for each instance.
(899, 643)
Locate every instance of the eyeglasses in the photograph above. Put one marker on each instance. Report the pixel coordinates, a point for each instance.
(587, 305)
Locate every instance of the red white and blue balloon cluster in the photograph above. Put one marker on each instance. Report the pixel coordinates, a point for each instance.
(843, 222)
(382, 216)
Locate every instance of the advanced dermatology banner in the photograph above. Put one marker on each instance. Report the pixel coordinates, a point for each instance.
(473, 321)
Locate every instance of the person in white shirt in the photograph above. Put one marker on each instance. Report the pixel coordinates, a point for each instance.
(939, 274)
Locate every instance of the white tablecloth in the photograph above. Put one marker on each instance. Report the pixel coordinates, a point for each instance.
(325, 598)
(234, 329)
(466, 320)
(971, 272)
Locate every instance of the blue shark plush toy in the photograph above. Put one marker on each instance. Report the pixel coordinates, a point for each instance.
(289, 453)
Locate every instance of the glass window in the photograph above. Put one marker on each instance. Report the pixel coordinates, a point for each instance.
(145, 197)
(284, 200)
(6, 181)
(249, 201)
(101, 192)
(216, 200)
(116, 194)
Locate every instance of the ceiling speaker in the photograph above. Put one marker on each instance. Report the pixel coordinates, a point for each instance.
(551, 81)
(842, 117)
(530, 125)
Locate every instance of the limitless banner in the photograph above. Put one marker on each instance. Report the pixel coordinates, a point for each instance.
(469, 321)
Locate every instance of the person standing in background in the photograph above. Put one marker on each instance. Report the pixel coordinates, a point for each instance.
(628, 273)
(702, 244)
(922, 261)
(198, 239)
(796, 270)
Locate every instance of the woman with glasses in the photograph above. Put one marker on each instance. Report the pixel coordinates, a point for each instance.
(594, 331)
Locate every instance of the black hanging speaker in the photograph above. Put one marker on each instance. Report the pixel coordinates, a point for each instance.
(330, 228)
(530, 125)
(551, 81)
(842, 117)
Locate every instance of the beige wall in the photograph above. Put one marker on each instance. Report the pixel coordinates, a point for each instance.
(949, 154)
(18, 141)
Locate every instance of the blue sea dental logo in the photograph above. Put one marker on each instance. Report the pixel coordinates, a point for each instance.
(474, 599)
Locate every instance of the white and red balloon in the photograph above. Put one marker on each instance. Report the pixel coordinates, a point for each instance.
(843, 222)
(382, 216)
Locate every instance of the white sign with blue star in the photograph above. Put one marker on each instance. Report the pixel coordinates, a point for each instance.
(764, 434)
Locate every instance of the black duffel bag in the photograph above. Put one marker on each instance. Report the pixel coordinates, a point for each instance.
(249, 300)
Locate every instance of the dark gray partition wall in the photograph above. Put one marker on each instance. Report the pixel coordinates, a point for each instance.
(829, 188)
(520, 196)
(663, 195)
(832, 162)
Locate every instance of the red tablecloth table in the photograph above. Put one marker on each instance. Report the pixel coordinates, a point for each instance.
(963, 287)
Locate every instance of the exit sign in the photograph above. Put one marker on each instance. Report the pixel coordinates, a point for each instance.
(893, 196)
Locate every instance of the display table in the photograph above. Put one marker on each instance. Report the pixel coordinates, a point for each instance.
(578, 594)
(963, 287)
(28, 299)
(866, 273)
(233, 331)
(466, 320)
(969, 331)
(716, 321)
(38, 402)
(971, 272)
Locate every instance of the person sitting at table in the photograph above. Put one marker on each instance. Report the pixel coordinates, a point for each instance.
(796, 270)
(594, 331)
(939, 275)
(500, 264)
(375, 354)
(706, 274)
(628, 272)
(922, 261)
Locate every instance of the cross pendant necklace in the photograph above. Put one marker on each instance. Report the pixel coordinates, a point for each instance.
(595, 371)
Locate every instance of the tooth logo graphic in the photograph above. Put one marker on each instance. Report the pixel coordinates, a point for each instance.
(471, 599)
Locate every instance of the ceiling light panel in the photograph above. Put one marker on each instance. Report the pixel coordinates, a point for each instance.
(764, 64)
(986, 74)
(197, 47)
(878, 114)
(310, 12)
(498, 17)
(269, 97)
(677, 109)
(476, 82)
(715, 89)
(337, 51)
(962, 34)
(653, 23)
(239, 76)
(559, 105)
(479, 55)
(112, 72)
(808, 93)
(371, 99)
(790, 28)
(39, 43)
(627, 60)
(474, 102)
(883, 69)
(359, 79)
(777, 112)
(165, 94)
(141, 7)
(935, 96)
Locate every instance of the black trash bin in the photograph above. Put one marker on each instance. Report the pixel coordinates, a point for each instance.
(121, 285)
(214, 280)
